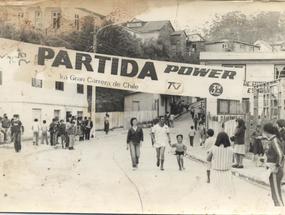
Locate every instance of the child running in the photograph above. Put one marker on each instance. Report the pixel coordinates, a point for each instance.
(180, 151)
(209, 143)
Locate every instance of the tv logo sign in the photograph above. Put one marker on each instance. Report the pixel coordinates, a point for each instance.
(174, 87)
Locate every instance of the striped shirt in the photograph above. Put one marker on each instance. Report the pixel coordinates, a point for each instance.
(222, 157)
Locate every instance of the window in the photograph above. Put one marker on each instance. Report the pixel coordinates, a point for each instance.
(79, 114)
(20, 15)
(56, 114)
(230, 107)
(80, 88)
(37, 83)
(76, 21)
(55, 20)
(194, 47)
(279, 71)
(1, 78)
(38, 19)
(59, 85)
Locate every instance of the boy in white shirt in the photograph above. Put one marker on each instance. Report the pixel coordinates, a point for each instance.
(36, 131)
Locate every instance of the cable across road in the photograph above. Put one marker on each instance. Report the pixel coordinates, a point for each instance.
(132, 182)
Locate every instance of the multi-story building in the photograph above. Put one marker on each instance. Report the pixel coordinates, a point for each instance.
(194, 45)
(258, 67)
(31, 95)
(150, 30)
(178, 44)
(41, 16)
(230, 46)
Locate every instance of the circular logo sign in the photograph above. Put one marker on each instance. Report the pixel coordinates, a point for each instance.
(216, 89)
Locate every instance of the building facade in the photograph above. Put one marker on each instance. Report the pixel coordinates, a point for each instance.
(178, 44)
(230, 46)
(47, 19)
(194, 45)
(37, 98)
(258, 67)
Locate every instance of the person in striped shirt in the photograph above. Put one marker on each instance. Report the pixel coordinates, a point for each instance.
(275, 162)
(221, 156)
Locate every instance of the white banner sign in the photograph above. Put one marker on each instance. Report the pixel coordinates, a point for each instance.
(117, 72)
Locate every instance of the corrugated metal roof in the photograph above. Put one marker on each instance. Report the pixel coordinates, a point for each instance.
(178, 33)
(91, 12)
(149, 26)
(195, 37)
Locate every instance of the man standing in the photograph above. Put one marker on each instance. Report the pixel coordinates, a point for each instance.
(5, 125)
(17, 130)
(160, 136)
(53, 127)
(62, 133)
(88, 127)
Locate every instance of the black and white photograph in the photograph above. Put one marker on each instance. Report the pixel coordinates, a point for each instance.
(142, 106)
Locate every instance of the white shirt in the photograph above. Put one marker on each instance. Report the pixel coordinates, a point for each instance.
(160, 135)
(44, 128)
(209, 143)
(36, 127)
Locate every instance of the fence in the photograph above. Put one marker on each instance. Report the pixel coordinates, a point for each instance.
(142, 116)
(116, 120)
(122, 119)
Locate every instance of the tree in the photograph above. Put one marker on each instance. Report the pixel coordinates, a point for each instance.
(268, 26)
(116, 40)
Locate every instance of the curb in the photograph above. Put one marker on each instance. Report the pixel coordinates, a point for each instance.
(238, 174)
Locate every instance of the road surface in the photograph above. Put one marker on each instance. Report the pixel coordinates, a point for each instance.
(97, 177)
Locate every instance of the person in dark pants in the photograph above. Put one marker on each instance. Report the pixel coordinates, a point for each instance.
(53, 127)
(134, 139)
(196, 119)
(191, 135)
(62, 133)
(275, 162)
(17, 129)
(88, 127)
(106, 123)
(6, 123)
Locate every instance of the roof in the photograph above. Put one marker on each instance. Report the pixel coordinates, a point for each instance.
(178, 33)
(150, 26)
(239, 56)
(195, 37)
(233, 41)
(91, 12)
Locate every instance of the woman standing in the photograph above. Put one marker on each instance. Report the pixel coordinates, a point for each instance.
(134, 139)
(221, 156)
(239, 143)
(275, 161)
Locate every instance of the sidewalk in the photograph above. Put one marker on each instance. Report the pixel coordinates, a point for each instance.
(249, 172)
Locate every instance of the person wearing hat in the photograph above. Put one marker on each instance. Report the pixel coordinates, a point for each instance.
(17, 129)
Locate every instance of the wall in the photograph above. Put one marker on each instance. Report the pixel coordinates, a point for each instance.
(116, 120)
(19, 97)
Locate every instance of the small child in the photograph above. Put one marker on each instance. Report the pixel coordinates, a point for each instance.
(191, 135)
(180, 151)
(209, 142)
(71, 132)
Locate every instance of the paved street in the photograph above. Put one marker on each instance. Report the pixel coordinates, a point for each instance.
(97, 177)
